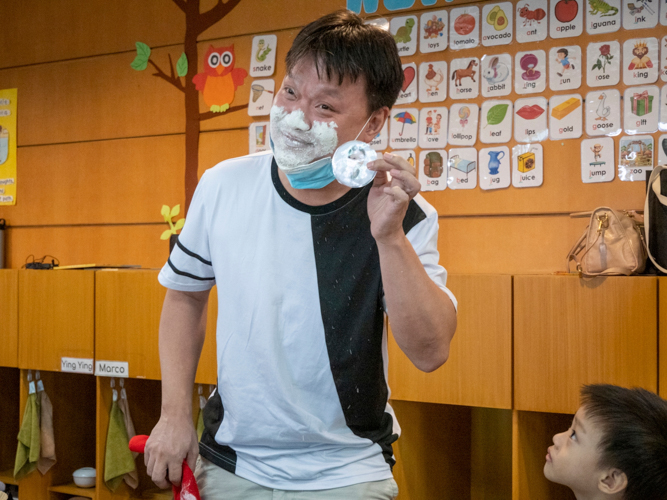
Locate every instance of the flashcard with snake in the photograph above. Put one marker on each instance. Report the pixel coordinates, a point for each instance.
(408, 91)
(497, 21)
(494, 167)
(263, 56)
(603, 64)
(565, 63)
(527, 165)
(603, 16)
(496, 75)
(381, 141)
(641, 109)
(405, 32)
(530, 119)
(641, 61)
(462, 168)
(603, 112)
(566, 18)
(463, 120)
(598, 163)
(432, 169)
(531, 21)
(433, 81)
(433, 124)
(640, 14)
(464, 27)
(495, 122)
(565, 117)
(464, 79)
(530, 72)
(433, 31)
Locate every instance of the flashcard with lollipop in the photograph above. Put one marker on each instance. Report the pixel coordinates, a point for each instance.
(463, 119)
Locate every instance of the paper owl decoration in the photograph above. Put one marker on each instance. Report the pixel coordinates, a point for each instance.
(220, 78)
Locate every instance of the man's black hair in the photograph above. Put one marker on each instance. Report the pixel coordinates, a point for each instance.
(634, 429)
(341, 45)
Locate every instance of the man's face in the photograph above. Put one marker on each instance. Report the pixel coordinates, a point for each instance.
(574, 457)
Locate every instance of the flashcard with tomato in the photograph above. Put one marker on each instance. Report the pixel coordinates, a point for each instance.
(603, 17)
(640, 14)
(531, 21)
(603, 64)
(565, 117)
(530, 119)
(565, 67)
(463, 120)
(432, 169)
(530, 72)
(640, 109)
(433, 127)
(567, 18)
(598, 163)
(462, 168)
(497, 20)
(527, 165)
(640, 61)
(381, 141)
(464, 79)
(405, 32)
(408, 92)
(494, 167)
(464, 27)
(603, 112)
(404, 128)
(433, 34)
(496, 72)
(495, 123)
(433, 81)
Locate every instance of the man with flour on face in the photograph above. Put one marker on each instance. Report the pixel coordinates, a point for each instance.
(306, 269)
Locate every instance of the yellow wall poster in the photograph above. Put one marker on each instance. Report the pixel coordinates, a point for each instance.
(8, 147)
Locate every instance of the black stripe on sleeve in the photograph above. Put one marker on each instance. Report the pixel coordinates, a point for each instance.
(192, 254)
(187, 275)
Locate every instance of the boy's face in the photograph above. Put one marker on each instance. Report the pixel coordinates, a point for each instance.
(573, 459)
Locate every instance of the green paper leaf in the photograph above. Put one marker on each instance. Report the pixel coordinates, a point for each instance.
(143, 54)
(167, 233)
(165, 212)
(179, 224)
(497, 114)
(182, 65)
(175, 211)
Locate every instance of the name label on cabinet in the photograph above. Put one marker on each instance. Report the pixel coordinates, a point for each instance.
(111, 369)
(76, 365)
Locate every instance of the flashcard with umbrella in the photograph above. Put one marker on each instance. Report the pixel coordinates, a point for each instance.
(404, 128)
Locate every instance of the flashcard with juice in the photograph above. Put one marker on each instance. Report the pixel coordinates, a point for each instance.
(464, 79)
(565, 117)
(463, 119)
(433, 81)
(527, 165)
(433, 127)
(603, 64)
(496, 75)
(433, 37)
(530, 119)
(464, 27)
(603, 17)
(531, 21)
(405, 32)
(597, 160)
(462, 168)
(494, 167)
(432, 171)
(566, 18)
(495, 122)
(603, 112)
(530, 72)
(565, 63)
(497, 21)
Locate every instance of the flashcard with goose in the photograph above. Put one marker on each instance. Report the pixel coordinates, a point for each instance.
(603, 17)
(464, 78)
(494, 167)
(432, 169)
(496, 75)
(259, 137)
(603, 62)
(640, 61)
(408, 91)
(433, 37)
(603, 112)
(496, 122)
(464, 27)
(433, 127)
(404, 128)
(663, 109)
(597, 160)
(635, 156)
(531, 21)
(497, 21)
(261, 97)
(462, 168)
(565, 117)
(381, 141)
(405, 32)
(263, 59)
(530, 119)
(530, 72)
(565, 67)
(527, 165)
(433, 81)
(640, 14)
(663, 56)
(463, 119)
(566, 18)
(640, 109)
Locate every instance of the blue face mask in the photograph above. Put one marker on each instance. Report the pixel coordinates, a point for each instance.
(315, 175)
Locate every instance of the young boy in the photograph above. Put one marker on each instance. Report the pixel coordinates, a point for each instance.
(616, 447)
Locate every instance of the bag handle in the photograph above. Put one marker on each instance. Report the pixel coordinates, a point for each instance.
(653, 183)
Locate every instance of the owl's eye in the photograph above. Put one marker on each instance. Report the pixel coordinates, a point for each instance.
(213, 60)
(226, 59)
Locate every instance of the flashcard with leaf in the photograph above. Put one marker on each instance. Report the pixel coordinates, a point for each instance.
(496, 122)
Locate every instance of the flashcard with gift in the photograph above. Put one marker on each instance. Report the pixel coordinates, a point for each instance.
(527, 165)
(603, 16)
(463, 119)
(405, 32)
(263, 58)
(531, 21)
(433, 127)
(494, 167)
(464, 27)
(530, 72)
(404, 128)
(640, 14)
(603, 112)
(565, 117)
(640, 61)
(462, 168)
(381, 141)
(663, 109)
(433, 36)
(641, 109)
(566, 18)
(432, 171)
(496, 71)
(565, 67)
(497, 20)
(495, 122)
(464, 80)
(261, 97)
(530, 119)
(603, 64)
(433, 81)
(635, 156)
(597, 160)
(663, 57)
(408, 91)
(259, 137)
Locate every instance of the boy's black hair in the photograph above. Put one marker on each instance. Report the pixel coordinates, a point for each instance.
(634, 429)
(341, 45)
(563, 51)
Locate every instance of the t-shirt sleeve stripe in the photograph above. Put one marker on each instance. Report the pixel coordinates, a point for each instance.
(192, 254)
(187, 275)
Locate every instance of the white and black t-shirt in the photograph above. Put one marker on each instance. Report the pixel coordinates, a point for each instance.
(302, 398)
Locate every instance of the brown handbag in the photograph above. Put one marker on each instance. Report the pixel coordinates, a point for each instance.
(612, 244)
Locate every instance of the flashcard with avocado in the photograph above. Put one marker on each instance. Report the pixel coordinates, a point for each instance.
(433, 127)
(404, 128)
(603, 64)
(640, 14)
(433, 36)
(662, 125)
(640, 61)
(565, 67)
(462, 168)
(405, 32)
(432, 170)
(527, 165)
(603, 112)
(259, 137)
(663, 57)
(641, 109)
(566, 18)
(531, 21)
(530, 119)
(381, 141)
(565, 117)
(408, 91)
(263, 59)
(530, 72)
(496, 75)
(597, 160)
(497, 20)
(494, 167)
(463, 119)
(433, 81)
(464, 27)
(261, 97)
(603, 17)
(464, 79)
(496, 122)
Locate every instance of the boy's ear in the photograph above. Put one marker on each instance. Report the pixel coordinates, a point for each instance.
(613, 481)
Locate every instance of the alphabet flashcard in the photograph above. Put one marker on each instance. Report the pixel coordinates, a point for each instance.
(496, 122)
(404, 128)
(662, 150)
(603, 112)
(408, 155)
(530, 119)
(635, 156)
(497, 21)
(464, 27)
(531, 21)
(640, 61)
(433, 127)
(527, 165)
(433, 170)
(663, 57)
(463, 119)
(494, 167)
(530, 73)
(408, 91)
(566, 18)
(381, 141)
(603, 16)
(603, 64)
(496, 71)
(565, 117)
(462, 168)
(641, 111)
(663, 109)
(597, 160)
(433, 36)
(464, 80)
(640, 14)
(565, 67)
(433, 81)
(261, 97)
(405, 32)
(259, 137)
(263, 58)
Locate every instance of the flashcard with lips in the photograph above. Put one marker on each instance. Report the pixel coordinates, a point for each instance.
(530, 119)
(433, 35)
(603, 112)
(464, 27)
(531, 21)
(603, 64)
(566, 18)
(462, 168)
(597, 160)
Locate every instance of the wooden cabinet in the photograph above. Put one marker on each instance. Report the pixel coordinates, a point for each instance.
(662, 328)
(56, 317)
(569, 332)
(9, 317)
(9, 421)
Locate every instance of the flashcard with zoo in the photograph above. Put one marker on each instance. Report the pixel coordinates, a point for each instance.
(259, 137)
(261, 97)
(527, 165)
(530, 119)
(495, 123)
(565, 67)
(433, 34)
(432, 170)
(530, 72)
(640, 61)
(635, 156)
(263, 58)
(404, 128)
(433, 81)
(662, 126)
(463, 119)
(462, 168)
(408, 91)
(603, 64)
(464, 27)
(597, 160)
(381, 141)
(494, 167)
(603, 112)
(464, 78)
(565, 117)
(603, 16)
(433, 127)
(497, 20)
(405, 31)
(531, 20)
(640, 109)
(663, 56)
(640, 14)
(496, 75)
(566, 18)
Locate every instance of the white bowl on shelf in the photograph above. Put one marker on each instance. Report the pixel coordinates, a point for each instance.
(85, 477)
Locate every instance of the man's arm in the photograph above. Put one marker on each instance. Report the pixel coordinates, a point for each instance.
(173, 439)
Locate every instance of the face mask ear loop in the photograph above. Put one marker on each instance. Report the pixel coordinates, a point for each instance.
(362, 128)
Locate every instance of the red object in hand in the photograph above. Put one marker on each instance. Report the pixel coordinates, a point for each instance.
(188, 489)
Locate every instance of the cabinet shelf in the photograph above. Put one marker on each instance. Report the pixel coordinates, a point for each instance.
(7, 477)
(73, 489)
